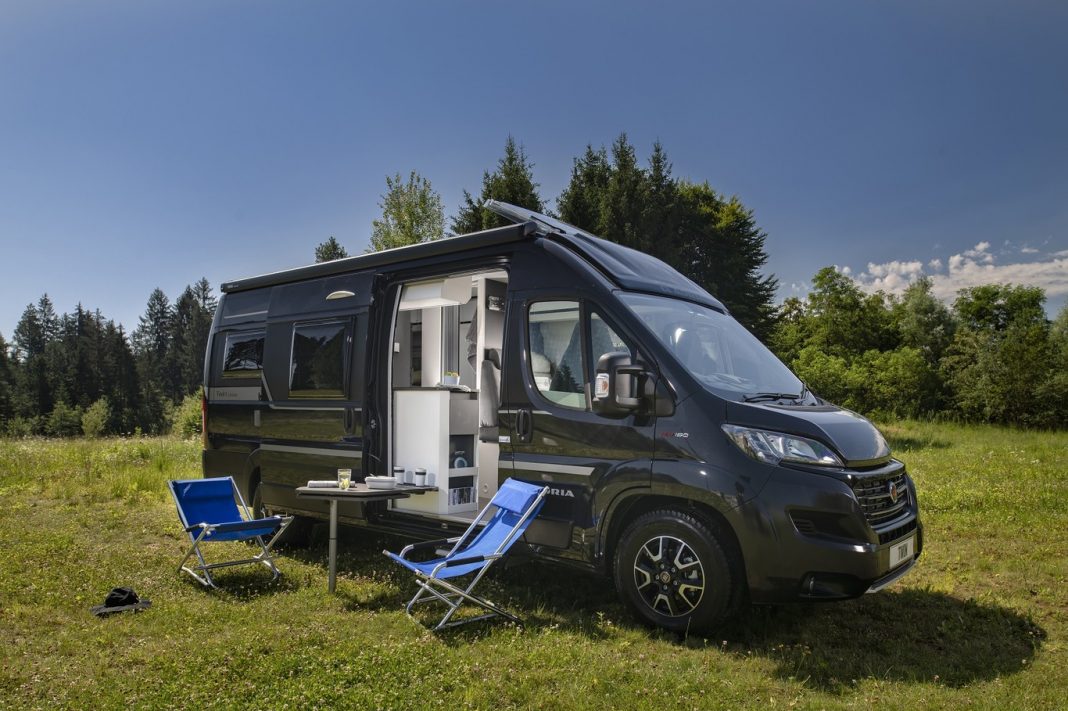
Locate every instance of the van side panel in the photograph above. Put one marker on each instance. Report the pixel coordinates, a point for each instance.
(258, 429)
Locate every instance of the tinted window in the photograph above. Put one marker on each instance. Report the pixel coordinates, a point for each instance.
(556, 352)
(604, 340)
(243, 355)
(714, 348)
(317, 368)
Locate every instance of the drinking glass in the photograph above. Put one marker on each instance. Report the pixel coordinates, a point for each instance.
(344, 478)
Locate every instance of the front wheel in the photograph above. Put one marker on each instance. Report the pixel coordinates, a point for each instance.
(672, 568)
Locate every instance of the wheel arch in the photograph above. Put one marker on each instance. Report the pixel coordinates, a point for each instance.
(629, 507)
(251, 476)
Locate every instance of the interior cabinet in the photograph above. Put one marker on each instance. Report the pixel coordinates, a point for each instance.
(436, 429)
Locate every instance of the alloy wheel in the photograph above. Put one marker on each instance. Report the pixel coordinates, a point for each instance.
(669, 576)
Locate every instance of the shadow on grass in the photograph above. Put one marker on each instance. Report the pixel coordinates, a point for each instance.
(246, 583)
(911, 635)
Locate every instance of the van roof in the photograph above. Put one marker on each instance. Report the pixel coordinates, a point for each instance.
(628, 268)
(372, 260)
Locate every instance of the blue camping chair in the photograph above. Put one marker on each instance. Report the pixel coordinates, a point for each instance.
(208, 510)
(517, 504)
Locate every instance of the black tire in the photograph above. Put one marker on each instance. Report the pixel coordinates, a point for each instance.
(255, 501)
(676, 571)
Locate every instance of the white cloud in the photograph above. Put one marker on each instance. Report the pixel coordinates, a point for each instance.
(979, 253)
(972, 267)
(1028, 250)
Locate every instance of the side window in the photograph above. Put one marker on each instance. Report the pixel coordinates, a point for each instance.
(317, 365)
(555, 340)
(243, 355)
(605, 340)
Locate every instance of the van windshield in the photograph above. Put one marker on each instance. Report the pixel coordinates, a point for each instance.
(716, 349)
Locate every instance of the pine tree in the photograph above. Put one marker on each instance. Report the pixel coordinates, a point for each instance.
(744, 290)
(196, 344)
(330, 250)
(205, 299)
(6, 385)
(714, 242)
(511, 182)
(119, 370)
(411, 213)
(151, 344)
(623, 200)
(660, 216)
(46, 314)
(580, 202)
(33, 391)
(177, 368)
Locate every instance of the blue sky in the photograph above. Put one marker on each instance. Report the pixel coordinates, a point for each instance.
(148, 144)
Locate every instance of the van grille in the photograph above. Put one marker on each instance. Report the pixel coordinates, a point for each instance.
(875, 499)
(895, 533)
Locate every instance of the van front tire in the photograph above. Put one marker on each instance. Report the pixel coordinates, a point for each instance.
(672, 569)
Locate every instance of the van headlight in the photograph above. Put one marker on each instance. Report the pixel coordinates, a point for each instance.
(775, 447)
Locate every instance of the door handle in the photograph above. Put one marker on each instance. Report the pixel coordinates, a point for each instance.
(523, 425)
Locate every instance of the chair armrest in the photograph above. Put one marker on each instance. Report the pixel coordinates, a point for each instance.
(426, 544)
(471, 559)
(275, 521)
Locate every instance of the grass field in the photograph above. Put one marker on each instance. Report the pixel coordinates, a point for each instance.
(981, 622)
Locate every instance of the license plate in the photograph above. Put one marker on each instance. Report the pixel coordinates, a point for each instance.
(902, 551)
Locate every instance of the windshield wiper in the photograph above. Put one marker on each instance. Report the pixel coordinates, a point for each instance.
(766, 397)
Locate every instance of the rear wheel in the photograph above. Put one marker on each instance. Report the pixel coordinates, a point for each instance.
(672, 568)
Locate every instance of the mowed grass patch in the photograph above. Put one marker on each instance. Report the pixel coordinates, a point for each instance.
(979, 623)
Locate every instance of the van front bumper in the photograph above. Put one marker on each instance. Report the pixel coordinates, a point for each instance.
(807, 537)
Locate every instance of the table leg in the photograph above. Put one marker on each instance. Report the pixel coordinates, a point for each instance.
(332, 580)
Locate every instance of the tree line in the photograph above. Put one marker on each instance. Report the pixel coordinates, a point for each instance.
(710, 238)
(79, 372)
(993, 357)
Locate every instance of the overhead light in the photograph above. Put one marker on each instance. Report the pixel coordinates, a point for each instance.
(339, 294)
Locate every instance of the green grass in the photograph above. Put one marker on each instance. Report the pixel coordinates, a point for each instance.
(980, 622)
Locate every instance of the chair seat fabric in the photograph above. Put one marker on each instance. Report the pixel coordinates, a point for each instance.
(208, 509)
(427, 568)
(516, 503)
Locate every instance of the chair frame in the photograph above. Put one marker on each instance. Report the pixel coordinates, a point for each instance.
(453, 596)
(202, 573)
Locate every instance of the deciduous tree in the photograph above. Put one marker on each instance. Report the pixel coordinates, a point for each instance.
(412, 212)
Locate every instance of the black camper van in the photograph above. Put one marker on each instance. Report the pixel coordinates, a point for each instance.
(685, 461)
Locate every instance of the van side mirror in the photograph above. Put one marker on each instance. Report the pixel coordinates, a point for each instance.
(617, 386)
